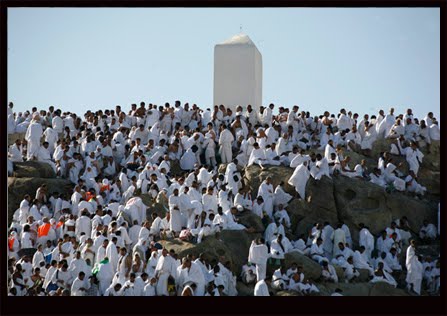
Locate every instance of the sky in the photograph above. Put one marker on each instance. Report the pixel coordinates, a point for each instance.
(361, 59)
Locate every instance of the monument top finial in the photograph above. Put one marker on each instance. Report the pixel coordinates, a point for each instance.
(239, 39)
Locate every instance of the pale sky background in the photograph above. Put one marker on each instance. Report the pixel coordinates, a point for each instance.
(363, 59)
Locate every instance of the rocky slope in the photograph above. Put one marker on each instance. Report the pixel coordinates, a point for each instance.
(332, 200)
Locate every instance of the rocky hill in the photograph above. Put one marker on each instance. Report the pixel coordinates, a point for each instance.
(332, 200)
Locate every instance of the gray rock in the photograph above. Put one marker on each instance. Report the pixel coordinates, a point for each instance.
(33, 169)
(244, 289)
(233, 247)
(18, 187)
(385, 289)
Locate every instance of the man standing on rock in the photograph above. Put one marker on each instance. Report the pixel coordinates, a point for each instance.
(166, 266)
(33, 136)
(225, 141)
(258, 254)
(414, 269)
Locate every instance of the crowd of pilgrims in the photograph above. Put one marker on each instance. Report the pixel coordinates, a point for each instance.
(100, 241)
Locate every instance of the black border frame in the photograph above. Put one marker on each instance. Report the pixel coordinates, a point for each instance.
(226, 305)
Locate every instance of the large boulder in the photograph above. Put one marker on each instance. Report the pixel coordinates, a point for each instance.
(348, 289)
(385, 289)
(319, 206)
(431, 161)
(431, 180)
(311, 269)
(18, 187)
(13, 137)
(238, 242)
(414, 209)
(232, 246)
(433, 250)
(33, 169)
(360, 201)
(361, 289)
(380, 145)
(175, 168)
(254, 175)
(287, 293)
(152, 206)
(251, 220)
(244, 289)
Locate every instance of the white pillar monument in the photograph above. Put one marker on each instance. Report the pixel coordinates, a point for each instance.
(237, 73)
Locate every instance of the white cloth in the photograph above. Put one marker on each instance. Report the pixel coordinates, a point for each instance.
(261, 289)
(299, 180)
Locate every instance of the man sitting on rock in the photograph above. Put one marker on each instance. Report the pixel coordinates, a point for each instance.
(328, 272)
(428, 231)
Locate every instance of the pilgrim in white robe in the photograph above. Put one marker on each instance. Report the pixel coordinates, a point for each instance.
(360, 262)
(428, 231)
(33, 136)
(330, 274)
(326, 235)
(283, 217)
(257, 156)
(175, 223)
(414, 270)
(281, 197)
(166, 266)
(226, 139)
(299, 180)
(279, 280)
(387, 278)
(261, 289)
(15, 153)
(266, 191)
(44, 155)
(350, 272)
(188, 160)
(77, 285)
(317, 253)
(11, 124)
(210, 203)
(195, 274)
(258, 254)
(366, 239)
(414, 159)
(105, 276)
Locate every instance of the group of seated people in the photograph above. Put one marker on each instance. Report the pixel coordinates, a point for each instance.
(169, 155)
(383, 258)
